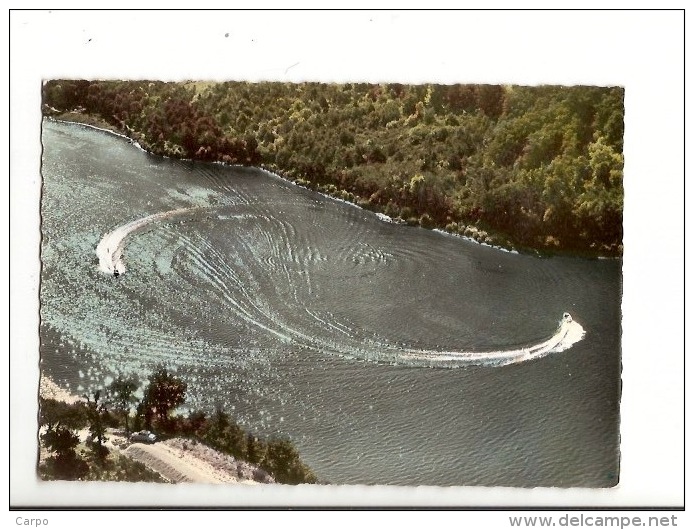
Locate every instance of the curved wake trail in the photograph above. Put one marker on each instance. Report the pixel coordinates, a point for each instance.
(111, 247)
(568, 334)
(110, 251)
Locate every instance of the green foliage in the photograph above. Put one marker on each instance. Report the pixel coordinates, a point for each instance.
(278, 456)
(164, 393)
(256, 449)
(64, 463)
(121, 395)
(539, 165)
(60, 440)
(282, 461)
(68, 462)
(222, 433)
(97, 424)
(73, 416)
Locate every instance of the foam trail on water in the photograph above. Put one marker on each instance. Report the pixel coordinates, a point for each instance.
(110, 252)
(110, 248)
(568, 334)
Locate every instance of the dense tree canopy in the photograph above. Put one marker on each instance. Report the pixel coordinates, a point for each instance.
(537, 167)
(64, 463)
(121, 395)
(162, 395)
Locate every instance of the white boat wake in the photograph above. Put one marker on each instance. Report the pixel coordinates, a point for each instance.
(110, 251)
(568, 334)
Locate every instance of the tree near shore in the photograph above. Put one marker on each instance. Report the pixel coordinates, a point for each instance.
(276, 456)
(283, 462)
(60, 439)
(97, 425)
(67, 460)
(163, 394)
(64, 463)
(121, 395)
(52, 412)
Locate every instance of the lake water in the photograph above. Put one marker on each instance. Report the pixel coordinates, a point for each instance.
(291, 310)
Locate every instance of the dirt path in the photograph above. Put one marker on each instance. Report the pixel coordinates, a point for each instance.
(181, 460)
(177, 459)
(175, 465)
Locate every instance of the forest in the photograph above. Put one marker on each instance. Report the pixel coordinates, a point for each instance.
(529, 168)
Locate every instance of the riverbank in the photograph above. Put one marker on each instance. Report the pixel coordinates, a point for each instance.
(472, 233)
(82, 118)
(468, 232)
(536, 168)
(48, 389)
(174, 460)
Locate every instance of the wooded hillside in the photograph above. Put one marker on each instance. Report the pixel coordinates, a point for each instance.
(529, 167)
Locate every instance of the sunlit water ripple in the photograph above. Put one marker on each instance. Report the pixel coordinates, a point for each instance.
(304, 315)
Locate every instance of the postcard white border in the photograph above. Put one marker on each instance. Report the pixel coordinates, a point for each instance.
(642, 51)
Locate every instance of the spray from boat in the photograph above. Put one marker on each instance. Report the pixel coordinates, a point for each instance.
(111, 248)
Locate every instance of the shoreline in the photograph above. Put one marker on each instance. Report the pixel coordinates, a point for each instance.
(176, 460)
(49, 389)
(487, 238)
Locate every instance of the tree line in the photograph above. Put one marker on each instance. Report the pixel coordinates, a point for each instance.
(529, 167)
(113, 406)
